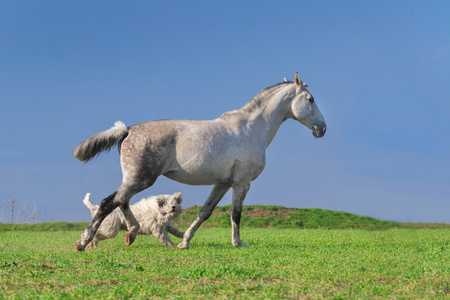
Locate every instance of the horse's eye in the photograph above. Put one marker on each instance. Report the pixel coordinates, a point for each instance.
(311, 99)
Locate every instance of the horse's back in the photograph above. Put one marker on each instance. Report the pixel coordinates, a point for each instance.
(193, 152)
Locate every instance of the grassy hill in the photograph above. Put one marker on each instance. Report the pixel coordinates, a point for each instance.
(263, 216)
(256, 216)
(44, 226)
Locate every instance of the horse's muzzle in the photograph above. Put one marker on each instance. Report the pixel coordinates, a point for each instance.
(319, 131)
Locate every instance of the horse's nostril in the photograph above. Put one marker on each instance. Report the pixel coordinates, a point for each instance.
(173, 207)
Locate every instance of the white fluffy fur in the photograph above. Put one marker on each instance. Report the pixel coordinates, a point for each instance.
(153, 215)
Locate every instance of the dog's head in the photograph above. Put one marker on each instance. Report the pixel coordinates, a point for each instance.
(170, 204)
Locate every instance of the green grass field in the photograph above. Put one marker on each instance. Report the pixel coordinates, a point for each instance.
(280, 264)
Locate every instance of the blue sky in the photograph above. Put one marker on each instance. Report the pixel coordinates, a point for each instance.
(379, 71)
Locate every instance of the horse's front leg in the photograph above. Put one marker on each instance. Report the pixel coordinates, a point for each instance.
(216, 195)
(239, 193)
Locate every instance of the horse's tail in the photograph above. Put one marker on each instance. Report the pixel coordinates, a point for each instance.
(102, 141)
(87, 201)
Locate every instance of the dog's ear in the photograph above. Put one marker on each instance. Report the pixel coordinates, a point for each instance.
(161, 200)
(178, 197)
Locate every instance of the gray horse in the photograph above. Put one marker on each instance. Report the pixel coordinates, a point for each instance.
(228, 152)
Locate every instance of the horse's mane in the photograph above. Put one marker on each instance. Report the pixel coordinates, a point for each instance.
(260, 97)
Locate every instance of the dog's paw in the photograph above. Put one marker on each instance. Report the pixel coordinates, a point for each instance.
(128, 238)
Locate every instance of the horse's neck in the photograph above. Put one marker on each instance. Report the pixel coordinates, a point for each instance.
(265, 114)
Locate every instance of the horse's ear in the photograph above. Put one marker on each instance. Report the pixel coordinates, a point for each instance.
(297, 80)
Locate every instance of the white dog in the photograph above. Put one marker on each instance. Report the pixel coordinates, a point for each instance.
(153, 215)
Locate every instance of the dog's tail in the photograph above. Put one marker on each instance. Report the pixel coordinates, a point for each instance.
(87, 201)
(102, 141)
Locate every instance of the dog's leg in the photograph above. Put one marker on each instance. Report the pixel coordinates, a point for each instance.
(216, 195)
(107, 230)
(163, 237)
(173, 230)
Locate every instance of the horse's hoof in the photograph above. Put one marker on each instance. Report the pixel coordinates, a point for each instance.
(240, 245)
(89, 246)
(79, 247)
(183, 246)
(128, 238)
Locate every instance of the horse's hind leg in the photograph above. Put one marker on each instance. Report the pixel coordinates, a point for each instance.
(131, 186)
(122, 199)
(132, 225)
(216, 195)
(106, 207)
(119, 198)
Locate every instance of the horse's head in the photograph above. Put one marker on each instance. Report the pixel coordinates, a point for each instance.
(305, 110)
